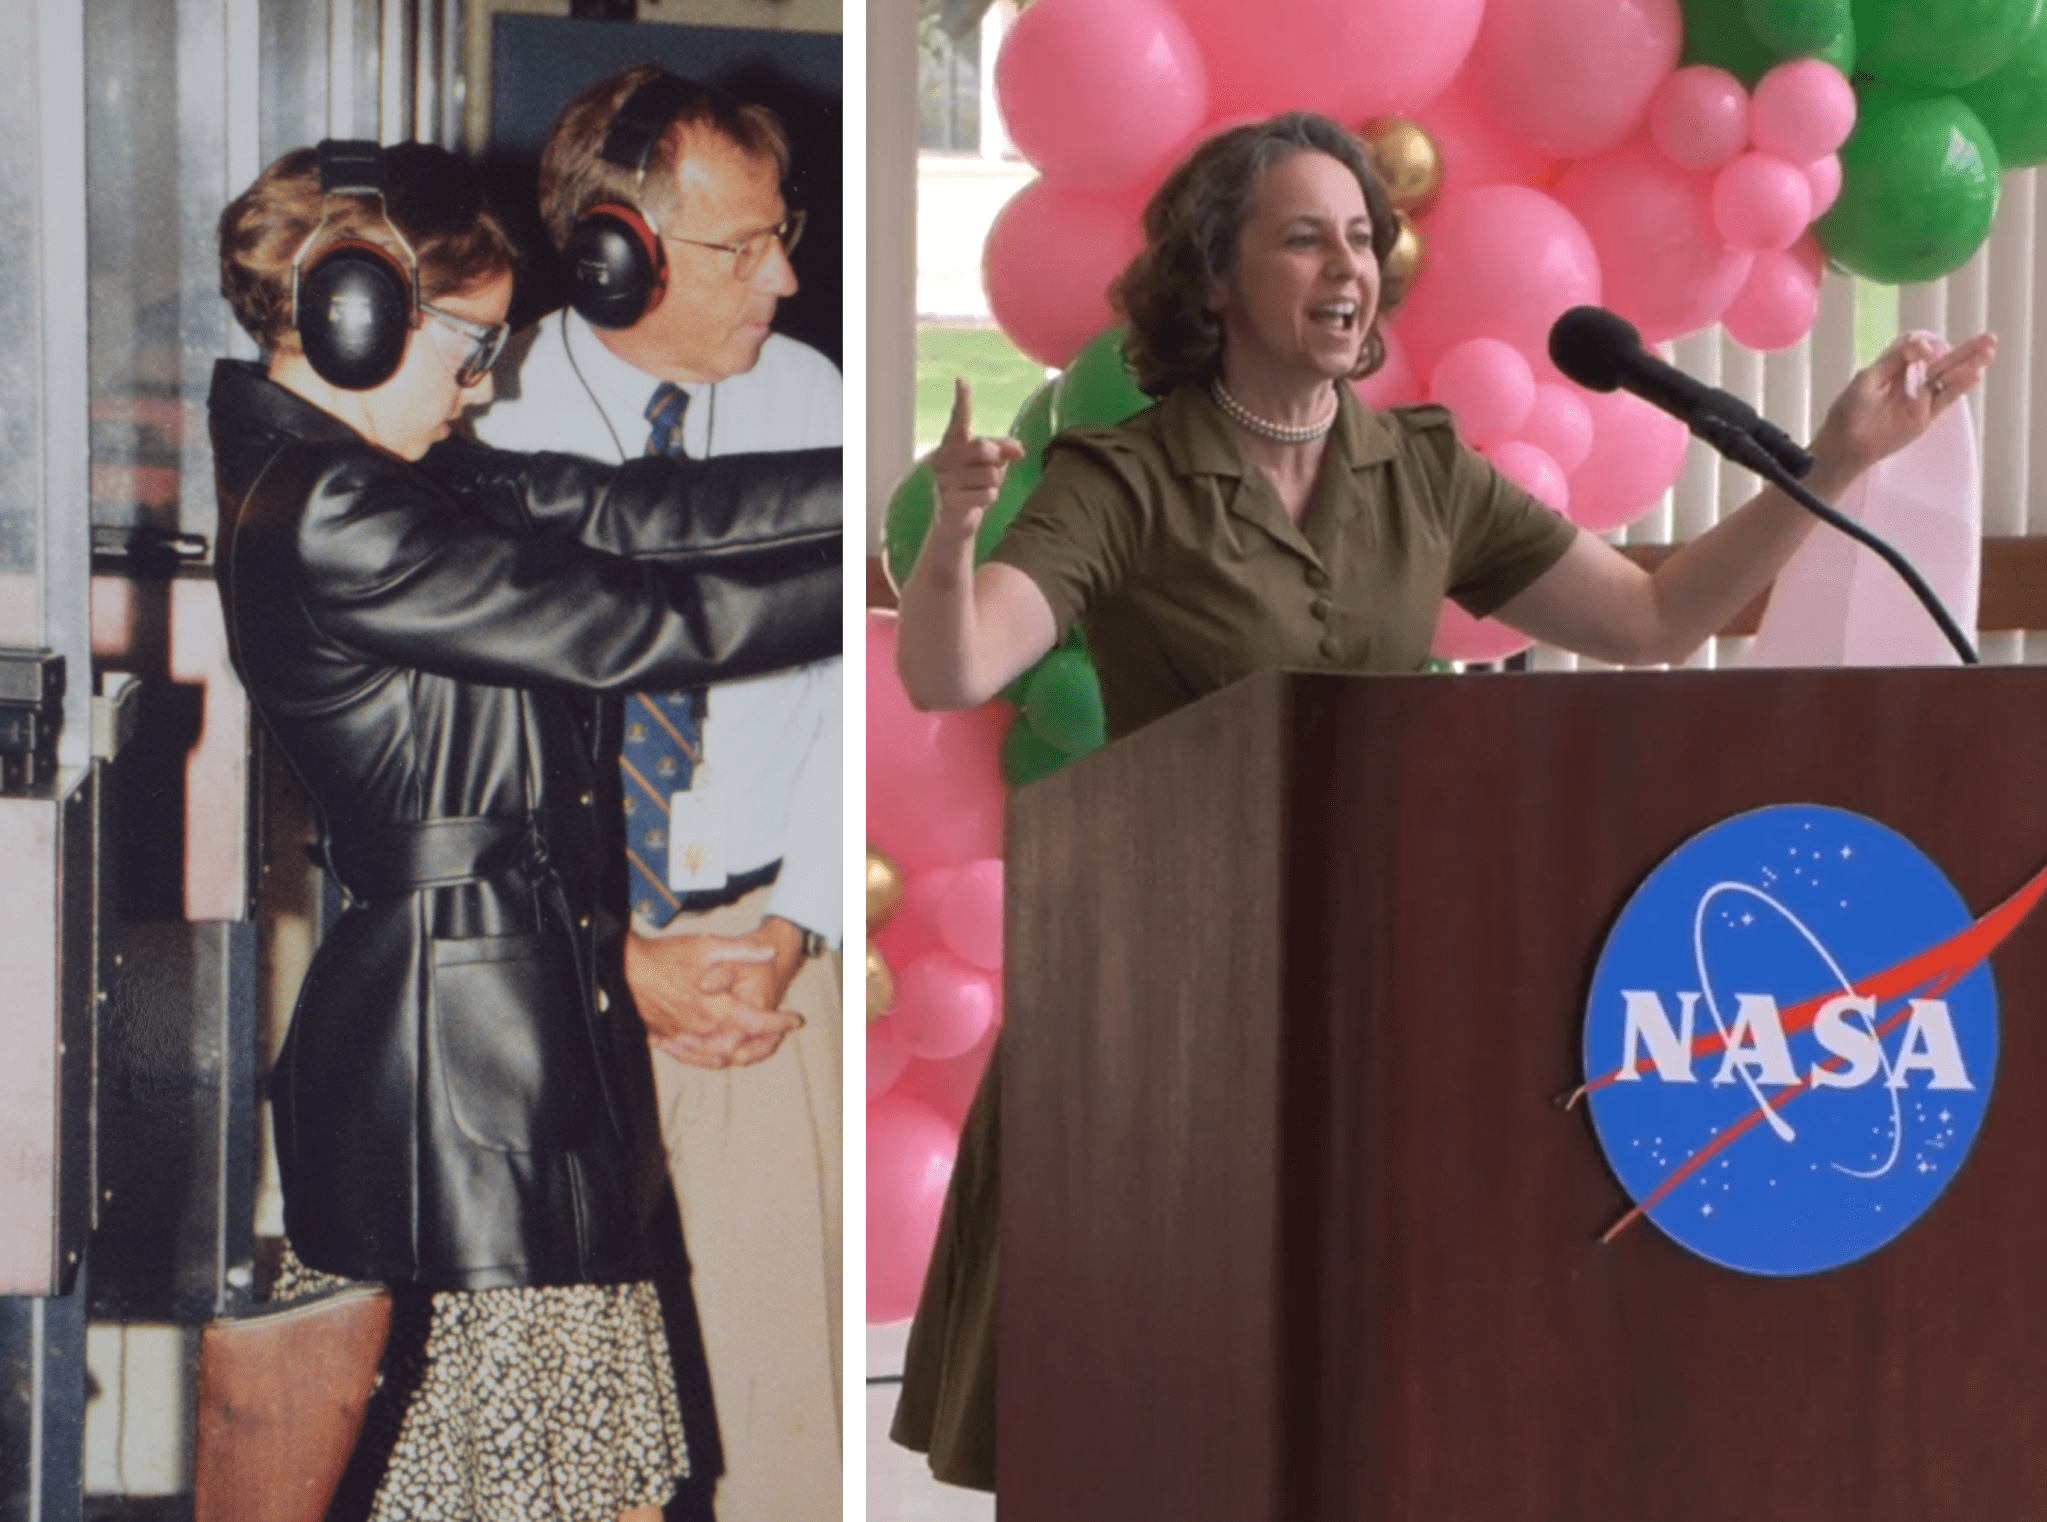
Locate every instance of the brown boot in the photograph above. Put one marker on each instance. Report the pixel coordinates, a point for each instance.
(282, 1394)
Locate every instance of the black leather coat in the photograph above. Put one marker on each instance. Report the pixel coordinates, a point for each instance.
(464, 1100)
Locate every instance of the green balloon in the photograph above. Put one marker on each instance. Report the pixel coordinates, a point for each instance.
(2012, 104)
(1943, 43)
(1873, 97)
(1716, 34)
(1792, 28)
(907, 521)
(1021, 481)
(1033, 425)
(1064, 702)
(1026, 758)
(1919, 185)
(1097, 390)
(1840, 52)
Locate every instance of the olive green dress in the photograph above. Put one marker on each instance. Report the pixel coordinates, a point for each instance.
(1177, 558)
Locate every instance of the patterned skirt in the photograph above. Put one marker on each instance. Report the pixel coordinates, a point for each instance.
(542, 1405)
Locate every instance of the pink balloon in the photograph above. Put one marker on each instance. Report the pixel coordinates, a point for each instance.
(1559, 426)
(913, 930)
(1636, 455)
(1393, 384)
(1350, 59)
(1573, 77)
(1811, 258)
(1777, 307)
(886, 1058)
(1097, 95)
(941, 804)
(948, 1087)
(896, 732)
(1761, 202)
(1460, 637)
(1803, 110)
(943, 1006)
(1503, 262)
(909, 1163)
(1699, 117)
(1533, 471)
(1488, 388)
(1824, 176)
(1474, 149)
(1662, 263)
(970, 918)
(1214, 126)
(1047, 264)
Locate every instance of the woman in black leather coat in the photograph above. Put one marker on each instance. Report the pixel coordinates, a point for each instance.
(463, 1104)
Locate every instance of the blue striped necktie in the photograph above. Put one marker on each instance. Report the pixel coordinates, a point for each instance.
(664, 731)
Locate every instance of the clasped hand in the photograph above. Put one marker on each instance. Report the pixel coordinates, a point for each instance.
(710, 1000)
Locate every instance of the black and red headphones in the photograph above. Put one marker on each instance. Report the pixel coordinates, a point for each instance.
(354, 306)
(617, 269)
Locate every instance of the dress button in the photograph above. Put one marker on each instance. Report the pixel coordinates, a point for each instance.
(1329, 647)
(1319, 607)
(1317, 577)
(584, 800)
(584, 922)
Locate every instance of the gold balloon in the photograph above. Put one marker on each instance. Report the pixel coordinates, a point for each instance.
(884, 889)
(1407, 253)
(881, 984)
(1406, 160)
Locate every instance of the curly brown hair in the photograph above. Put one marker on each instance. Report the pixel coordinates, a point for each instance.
(574, 175)
(433, 198)
(1191, 228)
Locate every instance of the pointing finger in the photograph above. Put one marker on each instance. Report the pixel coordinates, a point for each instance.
(960, 424)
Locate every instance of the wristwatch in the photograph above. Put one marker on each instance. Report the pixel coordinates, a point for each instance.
(814, 944)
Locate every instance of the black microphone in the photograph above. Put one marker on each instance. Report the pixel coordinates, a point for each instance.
(1603, 352)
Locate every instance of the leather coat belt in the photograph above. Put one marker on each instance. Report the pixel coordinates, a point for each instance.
(392, 860)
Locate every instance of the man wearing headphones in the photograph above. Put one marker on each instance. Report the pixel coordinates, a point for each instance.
(666, 199)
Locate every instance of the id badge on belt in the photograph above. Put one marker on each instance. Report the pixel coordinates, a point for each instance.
(696, 844)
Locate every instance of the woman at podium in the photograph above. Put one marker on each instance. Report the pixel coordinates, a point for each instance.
(1261, 516)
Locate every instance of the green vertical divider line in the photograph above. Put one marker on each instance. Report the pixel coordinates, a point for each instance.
(854, 1322)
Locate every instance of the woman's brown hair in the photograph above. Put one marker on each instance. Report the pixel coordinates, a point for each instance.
(434, 199)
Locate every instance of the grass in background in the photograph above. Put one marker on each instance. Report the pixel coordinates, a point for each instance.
(1001, 377)
(1876, 319)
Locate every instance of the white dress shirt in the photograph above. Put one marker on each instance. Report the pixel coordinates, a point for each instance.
(771, 744)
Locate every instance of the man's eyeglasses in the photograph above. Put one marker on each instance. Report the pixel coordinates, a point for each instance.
(749, 252)
(485, 343)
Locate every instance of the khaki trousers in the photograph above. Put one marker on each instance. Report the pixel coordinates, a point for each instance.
(755, 1155)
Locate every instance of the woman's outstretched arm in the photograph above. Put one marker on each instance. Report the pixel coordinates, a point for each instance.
(965, 634)
(1599, 603)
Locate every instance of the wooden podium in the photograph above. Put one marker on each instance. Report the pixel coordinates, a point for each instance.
(1293, 1226)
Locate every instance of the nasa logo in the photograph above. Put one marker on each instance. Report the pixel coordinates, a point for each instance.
(1791, 1038)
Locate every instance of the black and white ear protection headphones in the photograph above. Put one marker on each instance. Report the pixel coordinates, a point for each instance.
(617, 269)
(354, 306)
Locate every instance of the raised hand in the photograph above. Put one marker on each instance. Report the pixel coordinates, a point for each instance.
(1895, 399)
(968, 470)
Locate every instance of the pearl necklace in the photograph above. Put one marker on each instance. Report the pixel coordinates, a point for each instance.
(1264, 428)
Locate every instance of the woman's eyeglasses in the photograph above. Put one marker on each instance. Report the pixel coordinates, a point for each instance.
(486, 341)
(749, 252)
